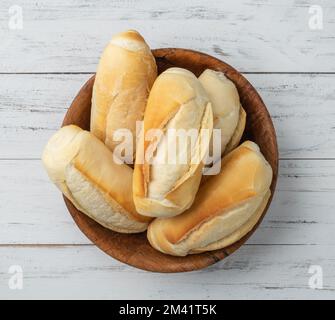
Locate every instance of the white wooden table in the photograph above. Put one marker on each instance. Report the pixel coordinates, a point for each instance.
(274, 43)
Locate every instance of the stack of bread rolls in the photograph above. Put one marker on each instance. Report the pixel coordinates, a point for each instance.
(182, 211)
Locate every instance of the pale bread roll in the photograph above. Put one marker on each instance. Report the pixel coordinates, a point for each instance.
(125, 75)
(229, 116)
(177, 101)
(83, 168)
(237, 135)
(227, 206)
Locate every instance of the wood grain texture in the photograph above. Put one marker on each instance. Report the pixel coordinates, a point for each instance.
(69, 35)
(301, 106)
(84, 272)
(134, 249)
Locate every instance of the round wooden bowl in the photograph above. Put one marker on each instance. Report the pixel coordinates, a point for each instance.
(134, 249)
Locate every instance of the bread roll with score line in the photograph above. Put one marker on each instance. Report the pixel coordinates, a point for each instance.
(229, 116)
(177, 101)
(126, 72)
(83, 168)
(226, 208)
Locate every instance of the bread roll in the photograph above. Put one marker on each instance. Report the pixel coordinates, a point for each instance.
(229, 116)
(237, 135)
(177, 101)
(227, 207)
(126, 72)
(83, 168)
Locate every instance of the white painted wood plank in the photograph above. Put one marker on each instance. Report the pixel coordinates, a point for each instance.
(32, 108)
(32, 209)
(63, 35)
(84, 272)
(302, 107)
(33, 212)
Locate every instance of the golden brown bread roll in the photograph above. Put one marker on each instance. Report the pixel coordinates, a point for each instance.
(177, 101)
(83, 168)
(229, 116)
(126, 72)
(227, 206)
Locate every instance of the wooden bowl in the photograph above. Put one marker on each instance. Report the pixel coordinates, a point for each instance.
(134, 249)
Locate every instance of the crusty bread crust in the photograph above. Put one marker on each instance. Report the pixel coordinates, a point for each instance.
(176, 101)
(225, 100)
(238, 233)
(237, 135)
(125, 75)
(83, 168)
(224, 204)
